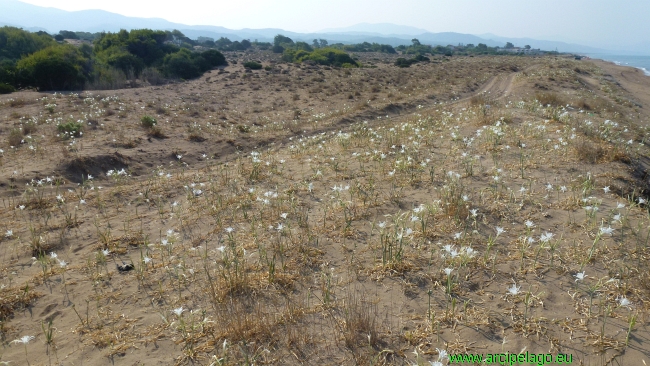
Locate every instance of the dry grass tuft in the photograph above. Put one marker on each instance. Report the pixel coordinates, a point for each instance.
(360, 327)
(550, 98)
(13, 299)
(15, 137)
(157, 132)
(589, 151)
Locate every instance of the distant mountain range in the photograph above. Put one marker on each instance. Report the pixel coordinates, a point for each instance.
(51, 20)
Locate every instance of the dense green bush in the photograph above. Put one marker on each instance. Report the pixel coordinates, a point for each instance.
(133, 51)
(402, 62)
(68, 34)
(226, 44)
(420, 58)
(323, 56)
(87, 35)
(60, 67)
(214, 58)
(181, 64)
(8, 72)
(6, 88)
(280, 40)
(125, 61)
(36, 60)
(303, 46)
(252, 65)
(148, 45)
(187, 65)
(262, 45)
(16, 43)
(367, 47)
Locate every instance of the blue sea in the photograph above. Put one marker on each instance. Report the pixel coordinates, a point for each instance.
(640, 62)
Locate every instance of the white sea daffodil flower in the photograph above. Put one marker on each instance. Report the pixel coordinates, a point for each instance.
(606, 230)
(24, 339)
(514, 289)
(623, 301)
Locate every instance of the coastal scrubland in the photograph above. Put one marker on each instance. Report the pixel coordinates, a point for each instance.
(321, 215)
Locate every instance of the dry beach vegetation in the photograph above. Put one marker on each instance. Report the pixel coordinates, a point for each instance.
(304, 214)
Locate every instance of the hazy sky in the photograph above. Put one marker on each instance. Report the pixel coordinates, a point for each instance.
(590, 22)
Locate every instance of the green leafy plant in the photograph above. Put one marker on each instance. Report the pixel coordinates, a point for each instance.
(70, 129)
(252, 65)
(6, 88)
(148, 121)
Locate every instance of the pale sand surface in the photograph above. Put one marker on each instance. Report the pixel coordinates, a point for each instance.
(634, 81)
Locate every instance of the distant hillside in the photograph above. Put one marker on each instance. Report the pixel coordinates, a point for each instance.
(386, 29)
(34, 18)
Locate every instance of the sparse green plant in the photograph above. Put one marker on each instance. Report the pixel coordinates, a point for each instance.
(148, 121)
(252, 65)
(70, 129)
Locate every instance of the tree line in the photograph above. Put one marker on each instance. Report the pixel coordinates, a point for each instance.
(38, 60)
(43, 61)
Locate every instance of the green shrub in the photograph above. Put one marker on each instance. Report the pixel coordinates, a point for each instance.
(368, 47)
(125, 61)
(303, 46)
(280, 40)
(15, 42)
(402, 62)
(252, 65)
(420, 58)
(148, 121)
(181, 64)
(36, 60)
(214, 58)
(7, 72)
(323, 56)
(6, 88)
(55, 68)
(70, 128)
